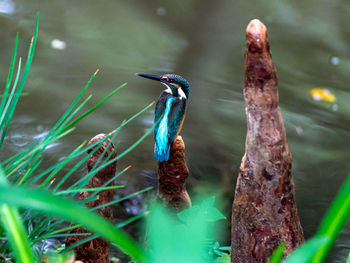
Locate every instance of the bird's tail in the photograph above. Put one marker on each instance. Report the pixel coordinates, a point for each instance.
(161, 152)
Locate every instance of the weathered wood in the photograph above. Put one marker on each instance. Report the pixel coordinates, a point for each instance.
(172, 177)
(264, 212)
(96, 250)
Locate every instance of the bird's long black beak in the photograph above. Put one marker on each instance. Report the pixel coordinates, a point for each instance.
(150, 76)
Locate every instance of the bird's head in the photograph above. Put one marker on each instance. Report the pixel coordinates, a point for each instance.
(177, 84)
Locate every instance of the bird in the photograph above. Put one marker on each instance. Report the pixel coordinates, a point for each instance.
(169, 112)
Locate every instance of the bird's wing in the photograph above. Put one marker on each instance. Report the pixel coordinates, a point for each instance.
(160, 108)
(176, 116)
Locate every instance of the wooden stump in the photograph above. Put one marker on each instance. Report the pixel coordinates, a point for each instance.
(264, 212)
(96, 250)
(172, 175)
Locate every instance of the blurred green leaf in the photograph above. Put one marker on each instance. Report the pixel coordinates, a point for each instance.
(38, 200)
(5, 124)
(333, 222)
(16, 234)
(53, 257)
(15, 230)
(217, 250)
(208, 202)
(226, 258)
(304, 253)
(277, 255)
(206, 210)
(173, 242)
(9, 78)
(183, 238)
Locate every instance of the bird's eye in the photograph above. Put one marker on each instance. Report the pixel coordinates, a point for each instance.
(170, 80)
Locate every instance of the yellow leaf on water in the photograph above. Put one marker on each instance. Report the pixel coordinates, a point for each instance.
(322, 94)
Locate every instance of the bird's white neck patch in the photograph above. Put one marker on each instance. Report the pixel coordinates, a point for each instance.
(181, 93)
(168, 88)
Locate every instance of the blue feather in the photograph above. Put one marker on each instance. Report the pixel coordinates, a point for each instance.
(161, 151)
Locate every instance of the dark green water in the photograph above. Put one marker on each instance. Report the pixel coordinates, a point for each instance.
(204, 42)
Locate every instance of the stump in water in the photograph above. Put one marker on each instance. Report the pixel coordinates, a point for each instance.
(172, 175)
(96, 250)
(264, 212)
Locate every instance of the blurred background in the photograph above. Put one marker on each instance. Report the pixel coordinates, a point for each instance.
(203, 41)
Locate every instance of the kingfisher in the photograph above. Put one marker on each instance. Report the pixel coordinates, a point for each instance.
(169, 113)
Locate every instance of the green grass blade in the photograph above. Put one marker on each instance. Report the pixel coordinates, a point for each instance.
(70, 116)
(9, 107)
(92, 196)
(111, 180)
(96, 147)
(335, 219)
(53, 136)
(121, 199)
(348, 260)
(137, 114)
(23, 78)
(37, 200)
(19, 155)
(71, 107)
(54, 232)
(80, 183)
(92, 173)
(9, 78)
(135, 144)
(44, 224)
(22, 94)
(27, 174)
(97, 189)
(94, 107)
(70, 235)
(98, 162)
(72, 170)
(62, 164)
(52, 168)
(19, 163)
(277, 255)
(16, 234)
(84, 180)
(4, 117)
(304, 253)
(120, 225)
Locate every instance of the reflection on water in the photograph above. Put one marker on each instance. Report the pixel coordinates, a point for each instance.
(204, 42)
(58, 44)
(7, 7)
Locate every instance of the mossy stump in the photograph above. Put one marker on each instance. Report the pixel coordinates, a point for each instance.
(96, 250)
(172, 176)
(264, 212)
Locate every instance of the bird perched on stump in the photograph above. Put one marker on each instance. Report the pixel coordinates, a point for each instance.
(169, 113)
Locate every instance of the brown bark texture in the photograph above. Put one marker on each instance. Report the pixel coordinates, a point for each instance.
(96, 250)
(264, 212)
(172, 176)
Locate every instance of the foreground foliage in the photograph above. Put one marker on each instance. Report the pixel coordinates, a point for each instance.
(24, 232)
